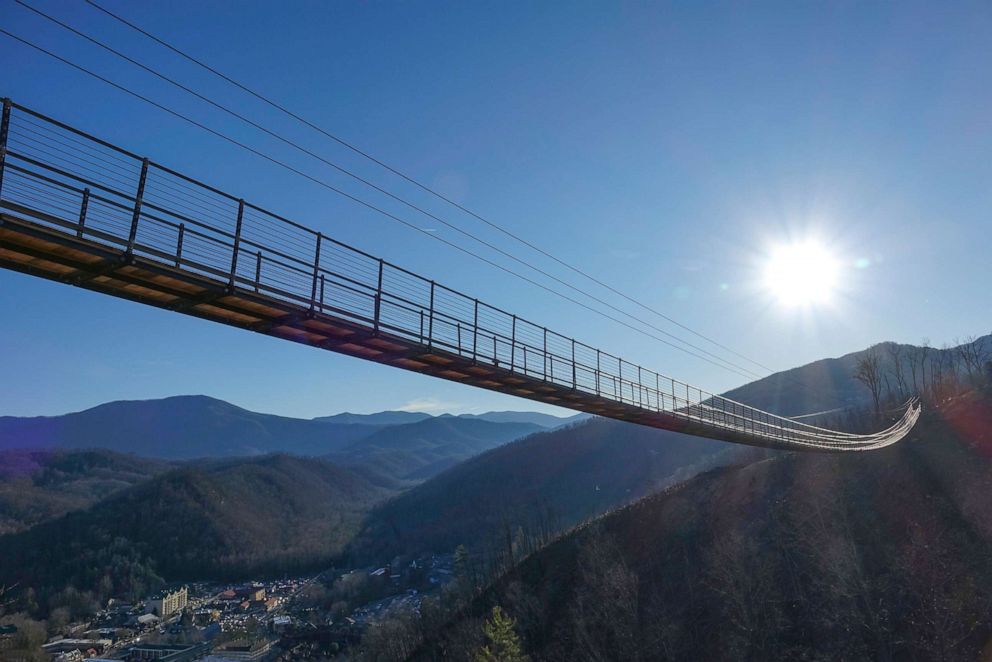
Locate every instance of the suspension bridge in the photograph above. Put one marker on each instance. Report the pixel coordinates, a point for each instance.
(79, 210)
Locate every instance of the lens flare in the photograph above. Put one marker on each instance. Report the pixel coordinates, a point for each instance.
(802, 274)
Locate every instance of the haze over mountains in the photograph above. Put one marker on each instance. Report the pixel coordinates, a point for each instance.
(193, 426)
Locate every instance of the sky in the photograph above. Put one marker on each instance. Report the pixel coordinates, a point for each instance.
(668, 149)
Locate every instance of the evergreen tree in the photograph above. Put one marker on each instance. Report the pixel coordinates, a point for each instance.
(504, 644)
(464, 579)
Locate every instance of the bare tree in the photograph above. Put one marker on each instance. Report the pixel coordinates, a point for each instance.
(603, 612)
(924, 356)
(868, 371)
(896, 357)
(973, 353)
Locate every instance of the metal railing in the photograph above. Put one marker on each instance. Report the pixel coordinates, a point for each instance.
(66, 178)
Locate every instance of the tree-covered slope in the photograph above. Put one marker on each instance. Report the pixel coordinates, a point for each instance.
(417, 451)
(540, 484)
(884, 555)
(273, 514)
(39, 485)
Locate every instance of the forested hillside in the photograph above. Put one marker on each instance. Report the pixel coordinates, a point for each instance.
(535, 487)
(39, 485)
(884, 555)
(266, 515)
(830, 384)
(416, 451)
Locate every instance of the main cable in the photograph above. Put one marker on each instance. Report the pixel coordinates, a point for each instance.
(353, 198)
(418, 184)
(297, 146)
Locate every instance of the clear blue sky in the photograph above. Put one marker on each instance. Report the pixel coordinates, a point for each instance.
(664, 148)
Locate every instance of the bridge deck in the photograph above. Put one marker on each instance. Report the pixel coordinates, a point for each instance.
(39, 250)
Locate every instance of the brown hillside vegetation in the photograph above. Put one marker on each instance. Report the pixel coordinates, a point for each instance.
(884, 555)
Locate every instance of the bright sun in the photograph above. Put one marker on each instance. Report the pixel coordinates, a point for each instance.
(802, 274)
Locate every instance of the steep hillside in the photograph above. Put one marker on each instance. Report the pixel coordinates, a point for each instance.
(417, 451)
(541, 483)
(178, 428)
(272, 514)
(884, 555)
(829, 384)
(36, 486)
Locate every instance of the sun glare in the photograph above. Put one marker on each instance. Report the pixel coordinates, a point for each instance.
(802, 274)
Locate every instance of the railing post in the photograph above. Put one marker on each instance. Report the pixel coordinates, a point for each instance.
(258, 269)
(136, 214)
(4, 128)
(513, 343)
(316, 268)
(475, 333)
(640, 389)
(597, 372)
(179, 247)
(544, 362)
(620, 371)
(237, 245)
(657, 392)
(575, 381)
(378, 301)
(82, 212)
(321, 304)
(430, 323)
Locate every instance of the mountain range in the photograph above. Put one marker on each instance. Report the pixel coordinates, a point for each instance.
(370, 489)
(195, 426)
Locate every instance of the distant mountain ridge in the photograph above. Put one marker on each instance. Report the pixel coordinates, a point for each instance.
(403, 417)
(536, 418)
(379, 419)
(178, 427)
(194, 426)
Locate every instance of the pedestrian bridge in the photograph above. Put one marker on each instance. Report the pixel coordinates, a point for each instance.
(78, 210)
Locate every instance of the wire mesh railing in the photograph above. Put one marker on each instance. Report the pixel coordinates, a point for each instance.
(68, 179)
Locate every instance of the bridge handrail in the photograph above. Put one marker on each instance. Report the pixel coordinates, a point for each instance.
(181, 221)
